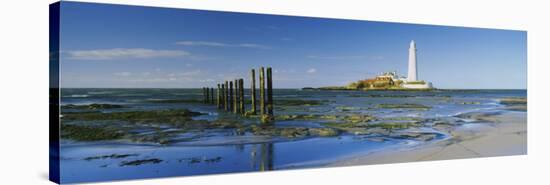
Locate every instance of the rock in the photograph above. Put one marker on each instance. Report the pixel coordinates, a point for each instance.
(324, 132)
(513, 101)
(420, 136)
(140, 162)
(404, 106)
(94, 106)
(294, 132)
(267, 118)
(89, 133)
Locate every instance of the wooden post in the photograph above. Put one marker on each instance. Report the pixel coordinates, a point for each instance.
(211, 95)
(218, 97)
(241, 96)
(269, 92)
(226, 98)
(230, 95)
(207, 95)
(236, 98)
(203, 95)
(262, 91)
(222, 94)
(253, 90)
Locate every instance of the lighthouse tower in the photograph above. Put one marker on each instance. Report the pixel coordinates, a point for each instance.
(412, 81)
(412, 75)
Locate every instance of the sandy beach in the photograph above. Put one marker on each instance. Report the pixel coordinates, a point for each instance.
(495, 135)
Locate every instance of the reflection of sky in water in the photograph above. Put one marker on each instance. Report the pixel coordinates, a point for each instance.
(234, 158)
(261, 154)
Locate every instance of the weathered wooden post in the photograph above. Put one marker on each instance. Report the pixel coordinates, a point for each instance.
(253, 90)
(236, 98)
(218, 97)
(226, 98)
(262, 91)
(230, 95)
(212, 95)
(269, 92)
(241, 98)
(203, 95)
(222, 94)
(207, 95)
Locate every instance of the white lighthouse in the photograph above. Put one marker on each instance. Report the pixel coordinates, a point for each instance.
(412, 75)
(412, 81)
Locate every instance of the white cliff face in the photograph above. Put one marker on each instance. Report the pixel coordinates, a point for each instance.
(412, 75)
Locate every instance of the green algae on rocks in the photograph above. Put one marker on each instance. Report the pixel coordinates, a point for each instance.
(404, 106)
(94, 106)
(298, 102)
(140, 162)
(90, 133)
(156, 116)
(293, 132)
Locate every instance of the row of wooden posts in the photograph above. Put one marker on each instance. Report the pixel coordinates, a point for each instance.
(230, 95)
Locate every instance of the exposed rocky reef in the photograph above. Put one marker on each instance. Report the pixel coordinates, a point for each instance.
(94, 106)
(514, 103)
(404, 106)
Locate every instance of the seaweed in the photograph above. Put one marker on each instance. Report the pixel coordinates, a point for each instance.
(195, 160)
(294, 132)
(140, 162)
(404, 106)
(112, 156)
(394, 125)
(94, 106)
(348, 118)
(176, 101)
(157, 116)
(89, 133)
(298, 102)
(363, 126)
(513, 101)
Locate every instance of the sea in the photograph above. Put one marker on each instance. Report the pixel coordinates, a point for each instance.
(218, 151)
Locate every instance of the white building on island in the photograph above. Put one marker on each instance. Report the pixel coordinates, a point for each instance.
(392, 80)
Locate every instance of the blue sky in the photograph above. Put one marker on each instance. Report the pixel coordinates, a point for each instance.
(129, 46)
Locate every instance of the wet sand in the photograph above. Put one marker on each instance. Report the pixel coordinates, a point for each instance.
(506, 135)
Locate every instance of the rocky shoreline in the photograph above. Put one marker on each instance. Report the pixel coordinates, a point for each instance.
(490, 135)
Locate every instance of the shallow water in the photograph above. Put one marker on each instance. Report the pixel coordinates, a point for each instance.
(220, 151)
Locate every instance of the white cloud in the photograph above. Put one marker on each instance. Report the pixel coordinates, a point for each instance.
(190, 73)
(345, 57)
(220, 44)
(334, 57)
(207, 80)
(311, 71)
(123, 74)
(123, 53)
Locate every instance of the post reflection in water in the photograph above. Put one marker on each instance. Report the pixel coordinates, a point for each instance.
(263, 162)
